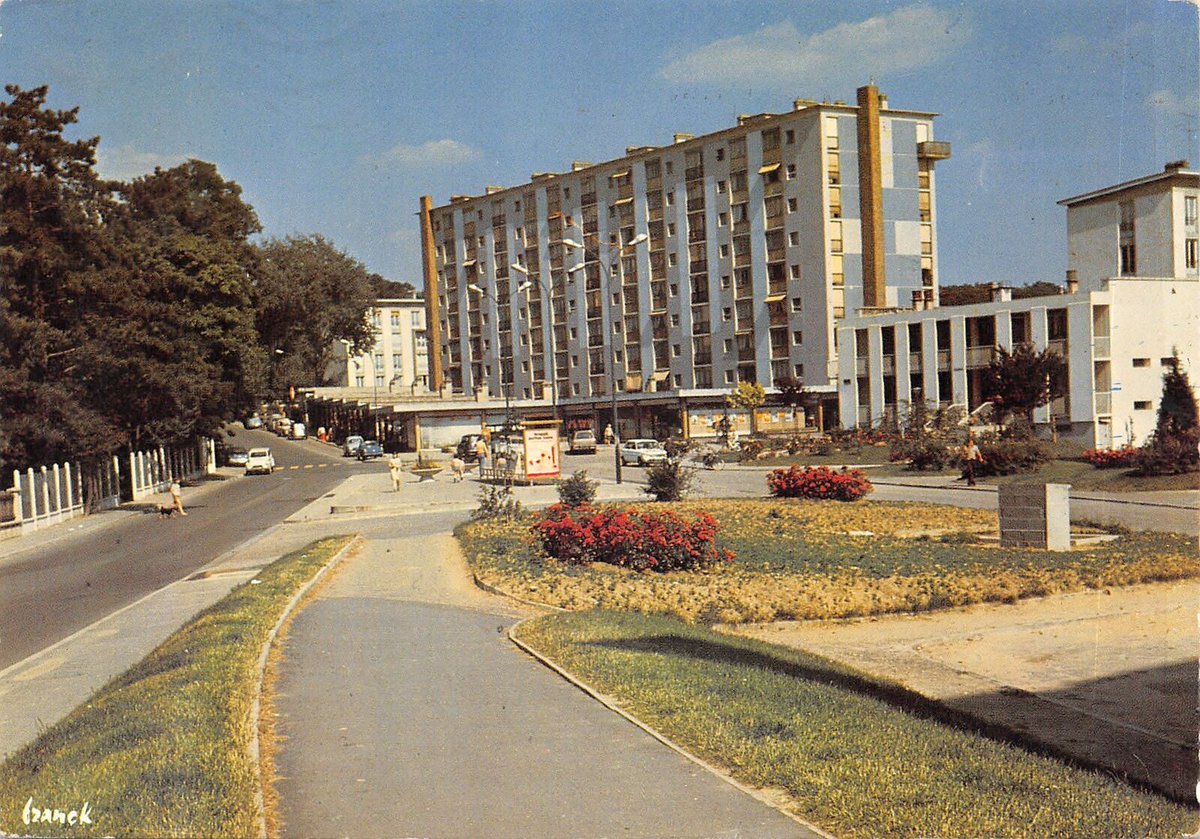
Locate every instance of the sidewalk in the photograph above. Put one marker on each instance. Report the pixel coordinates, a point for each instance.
(405, 711)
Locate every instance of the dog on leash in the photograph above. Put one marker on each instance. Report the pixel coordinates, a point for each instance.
(457, 468)
(165, 511)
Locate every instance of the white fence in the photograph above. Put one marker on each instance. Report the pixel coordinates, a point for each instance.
(50, 494)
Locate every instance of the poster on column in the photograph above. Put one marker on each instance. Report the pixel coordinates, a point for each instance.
(541, 453)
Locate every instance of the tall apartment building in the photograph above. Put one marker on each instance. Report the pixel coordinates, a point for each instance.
(682, 270)
(398, 363)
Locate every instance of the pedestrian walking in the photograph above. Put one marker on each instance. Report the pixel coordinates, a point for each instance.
(608, 435)
(481, 453)
(972, 459)
(177, 496)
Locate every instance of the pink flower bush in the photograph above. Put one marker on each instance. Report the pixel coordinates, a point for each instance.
(818, 482)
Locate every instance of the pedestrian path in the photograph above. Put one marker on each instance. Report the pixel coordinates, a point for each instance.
(405, 711)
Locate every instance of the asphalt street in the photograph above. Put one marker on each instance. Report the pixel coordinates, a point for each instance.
(49, 592)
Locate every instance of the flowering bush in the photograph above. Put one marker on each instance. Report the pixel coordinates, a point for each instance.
(820, 482)
(1122, 458)
(636, 539)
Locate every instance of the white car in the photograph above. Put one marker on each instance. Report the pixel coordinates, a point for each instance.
(260, 462)
(642, 452)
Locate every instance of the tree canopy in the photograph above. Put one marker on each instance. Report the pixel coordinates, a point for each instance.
(962, 295)
(1019, 381)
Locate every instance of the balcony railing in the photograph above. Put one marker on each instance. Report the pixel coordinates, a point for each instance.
(943, 359)
(860, 366)
(980, 356)
(864, 415)
(1103, 402)
(888, 365)
(1101, 347)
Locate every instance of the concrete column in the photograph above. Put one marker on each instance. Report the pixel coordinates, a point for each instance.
(929, 370)
(875, 371)
(958, 360)
(1039, 332)
(903, 380)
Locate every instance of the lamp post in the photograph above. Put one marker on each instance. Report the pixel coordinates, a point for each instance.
(612, 352)
(548, 292)
(505, 367)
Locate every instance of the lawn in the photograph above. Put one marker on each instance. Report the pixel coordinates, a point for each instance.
(855, 757)
(806, 559)
(164, 749)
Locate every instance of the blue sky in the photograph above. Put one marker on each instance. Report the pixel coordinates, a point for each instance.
(336, 116)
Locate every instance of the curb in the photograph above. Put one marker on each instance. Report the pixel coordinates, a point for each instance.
(610, 703)
(256, 706)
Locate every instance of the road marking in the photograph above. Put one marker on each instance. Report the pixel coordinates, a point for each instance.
(293, 467)
(308, 466)
(40, 669)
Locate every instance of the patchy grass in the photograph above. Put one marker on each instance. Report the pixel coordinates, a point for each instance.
(1081, 475)
(163, 750)
(800, 560)
(848, 755)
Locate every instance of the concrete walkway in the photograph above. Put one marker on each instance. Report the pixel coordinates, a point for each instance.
(405, 711)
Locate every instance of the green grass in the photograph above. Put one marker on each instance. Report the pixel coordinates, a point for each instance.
(1081, 475)
(163, 750)
(852, 763)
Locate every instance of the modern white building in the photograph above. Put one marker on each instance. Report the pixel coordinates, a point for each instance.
(398, 363)
(1132, 299)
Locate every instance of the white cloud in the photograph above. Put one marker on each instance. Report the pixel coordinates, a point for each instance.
(434, 153)
(910, 38)
(124, 163)
(1166, 103)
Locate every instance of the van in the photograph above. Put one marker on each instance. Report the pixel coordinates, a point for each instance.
(299, 432)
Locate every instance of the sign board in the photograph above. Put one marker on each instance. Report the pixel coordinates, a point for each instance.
(542, 453)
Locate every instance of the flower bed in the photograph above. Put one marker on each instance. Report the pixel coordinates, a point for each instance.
(641, 540)
(820, 483)
(1122, 458)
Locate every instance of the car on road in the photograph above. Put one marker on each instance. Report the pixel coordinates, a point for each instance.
(252, 421)
(260, 461)
(236, 457)
(299, 432)
(583, 441)
(642, 452)
(369, 449)
(350, 445)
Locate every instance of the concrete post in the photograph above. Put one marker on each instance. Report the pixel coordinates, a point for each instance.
(1036, 516)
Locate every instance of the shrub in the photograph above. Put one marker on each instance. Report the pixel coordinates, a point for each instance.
(497, 502)
(750, 450)
(1008, 457)
(577, 490)
(677, 447)
(1175, 454)
(669, 481)
(819, 482)
(639, 540)
(1121, 458)
(921, 453)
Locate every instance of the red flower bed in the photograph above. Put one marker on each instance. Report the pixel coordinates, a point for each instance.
(1123, 458)
(643, 541)
(819, 482)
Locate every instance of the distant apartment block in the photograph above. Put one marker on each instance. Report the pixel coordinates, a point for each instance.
(398, 364)
(1133, 298)
(676, 272)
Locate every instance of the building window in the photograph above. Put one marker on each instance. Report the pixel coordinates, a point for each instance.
(727, 314)
(1141, 405)
(671, 259)
(670, 199)
(724, 281)
(728, 345)
(1141, 362)
(416, 319)
(797, 304)
(724, 251)
(799, 368)
(721, 153)
(789, 136)
(791, 172)
(670, 229)
(1128, 259)
(1190, 253)
(675, 351)
(722, 219)
(791, 205)
(1189, 209)
(678, 381)
(674, 320)
(728, 377)
(794, 238)
(795, 269)
(797, 337)
(720, 187)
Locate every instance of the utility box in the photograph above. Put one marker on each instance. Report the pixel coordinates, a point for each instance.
(1036, 516)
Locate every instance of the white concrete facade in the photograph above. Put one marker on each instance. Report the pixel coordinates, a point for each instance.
(398, 363)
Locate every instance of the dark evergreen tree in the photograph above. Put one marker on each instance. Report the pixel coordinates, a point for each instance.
(1172, 449)
(1017, 382)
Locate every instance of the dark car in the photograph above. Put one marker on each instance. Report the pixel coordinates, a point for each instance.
(466, 448)
(369, 449)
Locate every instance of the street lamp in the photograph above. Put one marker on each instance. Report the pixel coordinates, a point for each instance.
(505, 380)
(612, 352)
(521, 269)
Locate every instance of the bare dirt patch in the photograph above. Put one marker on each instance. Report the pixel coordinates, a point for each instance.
(1106, 676)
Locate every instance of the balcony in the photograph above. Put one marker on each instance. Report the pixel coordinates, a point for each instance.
(943, 359)
(860, 366)
(864, 415)
(888, 365)
(980, 356)
(933, 150)
(1058, 345)
(1101, 347)
(1103, 403)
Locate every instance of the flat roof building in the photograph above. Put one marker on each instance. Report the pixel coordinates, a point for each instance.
(676, 272)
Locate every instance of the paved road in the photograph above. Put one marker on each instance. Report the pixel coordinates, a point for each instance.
(52, 590)
(405, 711)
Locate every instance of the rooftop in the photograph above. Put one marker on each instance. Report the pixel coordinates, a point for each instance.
(1177, 169)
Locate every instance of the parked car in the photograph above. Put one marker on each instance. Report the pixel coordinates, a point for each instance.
(259, 462)
(299, 432)
(583, 441)
(350, 445)
(252, 421)
(369, 449)
(236, 457)
(283, 426)
(466, 447)
(642, 452)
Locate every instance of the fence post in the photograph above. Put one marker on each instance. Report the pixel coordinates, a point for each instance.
(68, 485)
(58, 495)
(45, 491)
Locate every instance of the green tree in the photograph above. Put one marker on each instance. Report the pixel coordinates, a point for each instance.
(171, 345)
(391, 289)
(793, 394)
(1017, 382)
(748, 396)
(51, 203)
(310, 297)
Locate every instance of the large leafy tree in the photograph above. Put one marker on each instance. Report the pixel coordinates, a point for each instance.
(310, 297)
(171, 342)
(1024, 379)
(51, 208)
